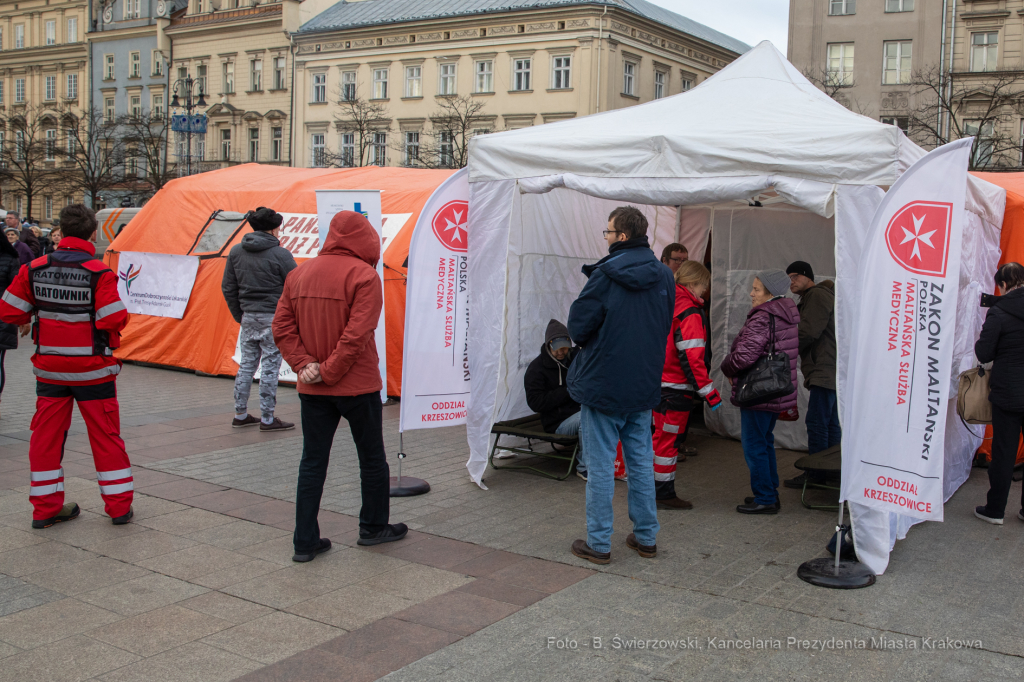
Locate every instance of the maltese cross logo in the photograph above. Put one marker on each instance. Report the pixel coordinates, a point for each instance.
(450, 225)
(918, 237)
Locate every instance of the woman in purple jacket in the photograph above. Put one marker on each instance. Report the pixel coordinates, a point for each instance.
(758, 422)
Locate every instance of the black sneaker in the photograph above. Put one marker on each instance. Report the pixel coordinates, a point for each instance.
(983, 514)
(249, 420)
(121, 520)
(750, 500)
(277, 425)
(393, 533)
(303, 557)
(68, 512)
(797, 482)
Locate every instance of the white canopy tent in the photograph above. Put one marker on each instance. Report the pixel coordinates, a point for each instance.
(539, 198)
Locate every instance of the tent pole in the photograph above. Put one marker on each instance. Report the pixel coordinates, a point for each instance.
(406, 486)
(839, 534)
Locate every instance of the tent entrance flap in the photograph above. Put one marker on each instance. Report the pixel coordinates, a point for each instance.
(217, 234)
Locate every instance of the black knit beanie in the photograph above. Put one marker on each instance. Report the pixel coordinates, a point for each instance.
(264, 219)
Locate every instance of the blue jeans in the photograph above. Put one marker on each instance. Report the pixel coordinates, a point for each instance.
(571, 427)
(601, 433)
(759, 450)
(822, 420)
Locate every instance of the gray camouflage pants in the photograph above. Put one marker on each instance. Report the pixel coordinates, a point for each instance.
(257, 341)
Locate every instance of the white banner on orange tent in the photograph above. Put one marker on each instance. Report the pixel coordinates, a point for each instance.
(435, 363)
(896, 402)
(300, 232)
(330, 202)
(157, 284)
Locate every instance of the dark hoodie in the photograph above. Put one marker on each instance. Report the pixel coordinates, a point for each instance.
(818, 335)
(254, 274)
(329, 310)
(10, 264)
(621, 321)
(1002, 342)
(547, 390)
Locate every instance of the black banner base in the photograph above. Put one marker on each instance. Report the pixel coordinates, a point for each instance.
(409, 486)
(822, 573)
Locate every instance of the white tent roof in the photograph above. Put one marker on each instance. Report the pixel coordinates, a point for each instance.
(757, 116)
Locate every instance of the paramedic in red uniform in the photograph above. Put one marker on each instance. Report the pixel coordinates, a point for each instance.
(684, 379)
(78, 318)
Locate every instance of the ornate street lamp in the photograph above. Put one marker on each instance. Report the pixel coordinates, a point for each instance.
(188, 95)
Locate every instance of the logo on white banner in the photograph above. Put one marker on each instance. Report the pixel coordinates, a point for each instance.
(449, 225)
(158, 284)
(918, 237)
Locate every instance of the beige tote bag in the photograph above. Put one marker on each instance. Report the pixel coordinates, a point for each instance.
(972, 402)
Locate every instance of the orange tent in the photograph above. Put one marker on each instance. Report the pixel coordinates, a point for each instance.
(204, 339)
(1011, 247)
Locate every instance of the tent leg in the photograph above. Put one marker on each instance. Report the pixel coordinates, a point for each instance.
(406, 486)
(841, 574)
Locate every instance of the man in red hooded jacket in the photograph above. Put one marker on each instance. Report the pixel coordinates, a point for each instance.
(324, 327)
(79, 317)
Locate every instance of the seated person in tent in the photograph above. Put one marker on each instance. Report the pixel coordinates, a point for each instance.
(546, 391)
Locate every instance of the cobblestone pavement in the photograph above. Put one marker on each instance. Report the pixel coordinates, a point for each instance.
(201, 586)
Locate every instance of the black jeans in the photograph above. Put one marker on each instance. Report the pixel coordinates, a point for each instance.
(1006, 431)
(320, 417)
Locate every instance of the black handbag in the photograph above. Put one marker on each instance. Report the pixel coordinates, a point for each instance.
(769, 378)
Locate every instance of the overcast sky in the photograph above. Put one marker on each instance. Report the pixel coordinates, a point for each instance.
(749, 20)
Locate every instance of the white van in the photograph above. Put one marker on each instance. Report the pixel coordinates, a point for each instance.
(111, 221)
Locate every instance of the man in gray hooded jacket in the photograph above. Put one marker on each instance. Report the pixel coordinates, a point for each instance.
(253, 280)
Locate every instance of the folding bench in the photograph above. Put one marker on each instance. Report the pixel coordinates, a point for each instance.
(824, 465)
(531, 429)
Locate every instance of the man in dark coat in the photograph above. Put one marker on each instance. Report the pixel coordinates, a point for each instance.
(252, 284)
(621, 320)
(547, 389)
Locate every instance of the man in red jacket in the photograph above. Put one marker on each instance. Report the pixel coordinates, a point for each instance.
(324, 328)
(79, 317)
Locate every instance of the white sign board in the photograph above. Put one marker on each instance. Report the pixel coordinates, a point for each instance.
(157, 284)
(435, 366)
(300, 232)
(894, 411)
(330, 202)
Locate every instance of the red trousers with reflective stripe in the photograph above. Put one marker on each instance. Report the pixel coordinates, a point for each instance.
(667, 428)
(98, 405)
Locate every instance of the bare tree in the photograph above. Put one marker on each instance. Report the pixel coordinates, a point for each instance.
(30, 157)
(364, 120)
(983, 105)
(837, 85)
(452, 126)
(95, 152)
(146, 140)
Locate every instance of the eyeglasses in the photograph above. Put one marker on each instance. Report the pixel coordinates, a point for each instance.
(677, 260)
(608, 232)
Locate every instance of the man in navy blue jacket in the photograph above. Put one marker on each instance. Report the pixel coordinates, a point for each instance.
(621, 320)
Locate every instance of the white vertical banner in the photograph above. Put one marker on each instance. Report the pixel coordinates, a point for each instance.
(435, 362)
(895, 407)
(330, 202)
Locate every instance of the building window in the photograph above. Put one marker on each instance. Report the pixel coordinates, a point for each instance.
(51, 144)
(899, 5)
(521, 74)
(182, 72)
(348, 149)
(256, 75)
(18, 207)
(51, 32)
(842, 7)
(108, 110)
(445, 156)
(225, 144)
(561, 72)
(279, 65)
(48, 207)
(71, 141)
(131, 164)
(71, 86)
(201, 78)
(984, 145)
(414, 81)
(485, 76)
(136, 107)
(840, 64)
(319, 87)
(659, 84)
(276, 138)
(72, 36)
(629, 79)
(687, 83)
(901, 122)
(19, 36)
(108, 67)
(896, 63)
(380, 84)
(447, 84)
(380, 149)
(984, 51)
(229, 78)
(157, 108)
(132, 9)
(412, 149)
(50, 91)
(348, 86)
(19, 90)
(135, 65)
(1, 96)
(319, 155)
(254, 144)
(68, 200)
(1, 38)
(158, 63)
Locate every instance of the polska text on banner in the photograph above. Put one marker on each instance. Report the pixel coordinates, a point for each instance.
(300, 232)
(897, 401)
(435, 366)
(157, 284)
